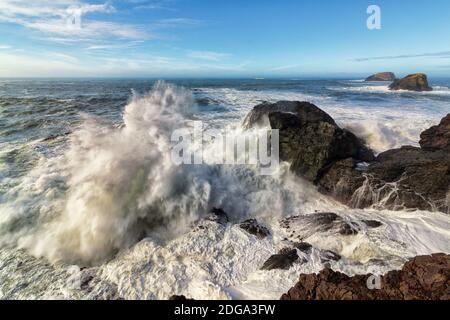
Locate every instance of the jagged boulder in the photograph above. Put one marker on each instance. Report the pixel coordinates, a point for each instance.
(253, 227)
(219, 216)
(412, 82)
(437, 137)
(283, 260)
(302, 227)
(382, 76)
(422, 278)
(309, 138)
(404, 178)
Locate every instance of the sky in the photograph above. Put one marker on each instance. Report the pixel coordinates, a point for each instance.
(215, 38)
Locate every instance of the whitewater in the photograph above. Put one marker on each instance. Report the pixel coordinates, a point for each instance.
(92, 186)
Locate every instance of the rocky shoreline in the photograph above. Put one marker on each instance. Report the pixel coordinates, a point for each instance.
(422, 278)
(342, 167)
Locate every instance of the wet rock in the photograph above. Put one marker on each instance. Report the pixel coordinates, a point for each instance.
(398, 179)
(309, 138)
(302, 227)
(340, 180)
(372, 223)
(422, 278)
(252, 227)
(343, 168)
(437, 137)
(382, 76)
(219, 216)
(410, 178)
(56, 136)
(303, 247)
(328, 255)
(305, 112)
(347, 230)
(179, 298)
(412, 82)
(283, 260)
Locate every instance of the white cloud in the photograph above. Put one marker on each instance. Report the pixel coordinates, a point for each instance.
(441, 54)
(54, 17)
(47, 8)
(175, 23)
(286, 67)
(5, 47)
(208, 55)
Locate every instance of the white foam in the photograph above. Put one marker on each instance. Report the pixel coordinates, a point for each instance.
(437, 90)
(121, 185)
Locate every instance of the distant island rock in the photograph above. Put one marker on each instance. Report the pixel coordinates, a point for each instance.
(382, 76)
(412, 82)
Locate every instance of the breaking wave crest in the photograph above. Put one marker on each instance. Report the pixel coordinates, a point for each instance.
(121, 182)
(114, 186)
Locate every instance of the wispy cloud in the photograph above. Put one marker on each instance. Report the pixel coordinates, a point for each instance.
(5, 47)
(286, 67)
(175, 23)
(53, 18)
(152, 4)
(208, 55)
(61, 57)
(113, 46)
(441, 54)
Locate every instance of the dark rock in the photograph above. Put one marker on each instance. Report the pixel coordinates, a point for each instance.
(283, 260)
(306, 112)
(410, 178)
(412, 82)
(302, 227)
(422, 278)
(405, 178)
(328, 255)
(309, 138)
(382, 76)
(342, 167)
(303, 247)
(437, 137)
(347, 230)
(340, 180)
(372, 223)
(252, 227)
(56, 136)
(179, 298)
(219, 216)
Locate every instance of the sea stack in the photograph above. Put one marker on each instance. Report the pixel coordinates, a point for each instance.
(412, 82)
(382, 76)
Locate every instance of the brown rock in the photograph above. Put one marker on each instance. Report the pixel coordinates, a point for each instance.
(422, 278)
(404, 178)
(412, 82)
(437, 137)
(252, 227)
(382, 76)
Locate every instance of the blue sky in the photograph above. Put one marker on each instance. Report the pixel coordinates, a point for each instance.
(214, 38)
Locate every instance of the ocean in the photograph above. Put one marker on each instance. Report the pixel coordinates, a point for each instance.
(86, 182)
